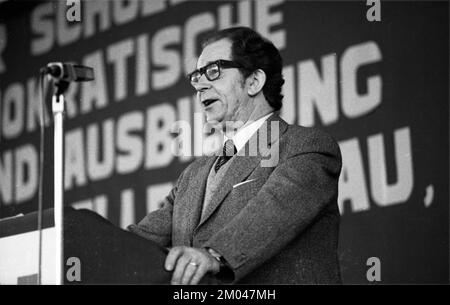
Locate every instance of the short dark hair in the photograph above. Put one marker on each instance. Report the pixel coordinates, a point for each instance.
(252, 52)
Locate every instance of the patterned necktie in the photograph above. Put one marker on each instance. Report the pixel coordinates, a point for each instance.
(228, 151)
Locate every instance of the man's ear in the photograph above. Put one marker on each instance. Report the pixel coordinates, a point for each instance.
(256, 82)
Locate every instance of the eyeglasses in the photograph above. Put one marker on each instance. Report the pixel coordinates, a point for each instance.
(212, 70)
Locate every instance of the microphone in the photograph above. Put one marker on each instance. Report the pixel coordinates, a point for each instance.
(68, 72)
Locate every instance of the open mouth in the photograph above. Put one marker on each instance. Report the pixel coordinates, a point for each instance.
(208, 102)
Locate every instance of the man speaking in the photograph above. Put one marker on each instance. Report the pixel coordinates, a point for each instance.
(234, 216)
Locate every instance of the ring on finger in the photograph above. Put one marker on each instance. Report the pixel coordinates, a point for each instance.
(193, 264)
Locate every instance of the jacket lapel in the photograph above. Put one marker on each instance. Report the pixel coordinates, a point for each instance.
(193, 200)
(245, 162)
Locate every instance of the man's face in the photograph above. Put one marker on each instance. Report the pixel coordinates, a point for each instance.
(228, 91)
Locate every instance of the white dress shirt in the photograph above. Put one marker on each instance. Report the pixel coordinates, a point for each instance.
(244, 133)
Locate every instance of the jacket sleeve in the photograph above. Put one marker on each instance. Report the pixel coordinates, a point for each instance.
(298, 190)
(157, 225)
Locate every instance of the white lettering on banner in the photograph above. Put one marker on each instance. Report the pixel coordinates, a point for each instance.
(71, 100)
(151, 7)
(143, 68)
(265, 20)
(96, 90)
(124, 11)
(118, 54)
(156, 193)
(83, 204)
(158, 139)
(67, 32)
(352, 182)
(98, 204)
(355, 104)
(127, 208)
(26, 170)
(74, 159)
(130, 147)
(194, 26)
(124, 144)
(92, 10)
(100, 154)
(243, 12)
(3, 43)
(175, 2)
(49, 23)
(34, 106)
(18, 115)
(162, 56)
(18, 174)
(49, 26)
(6, 178)
(318, 92)
(383, 193)
(13, 111)
(42, 26)
(288, 91)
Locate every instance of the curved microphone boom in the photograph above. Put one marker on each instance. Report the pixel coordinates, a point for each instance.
(68, 72)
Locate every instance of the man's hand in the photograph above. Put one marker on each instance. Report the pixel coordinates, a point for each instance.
(190, 265)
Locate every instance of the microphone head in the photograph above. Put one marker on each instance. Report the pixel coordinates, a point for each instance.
(55, 69)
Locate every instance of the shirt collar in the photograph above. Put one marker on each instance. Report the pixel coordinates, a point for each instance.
(244, 133)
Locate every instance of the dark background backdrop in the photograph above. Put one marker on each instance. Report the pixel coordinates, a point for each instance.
(408, 235)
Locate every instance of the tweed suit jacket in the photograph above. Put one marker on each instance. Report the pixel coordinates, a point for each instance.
(275, 219)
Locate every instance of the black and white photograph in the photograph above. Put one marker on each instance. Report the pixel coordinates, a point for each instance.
(239, 146)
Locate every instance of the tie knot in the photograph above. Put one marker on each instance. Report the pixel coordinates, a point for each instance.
(229, 149)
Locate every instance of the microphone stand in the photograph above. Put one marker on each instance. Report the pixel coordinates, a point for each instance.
(60, 87)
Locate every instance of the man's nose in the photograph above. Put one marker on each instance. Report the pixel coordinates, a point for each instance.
(202, 84)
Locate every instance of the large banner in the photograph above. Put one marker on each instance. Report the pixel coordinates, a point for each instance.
(375, 75)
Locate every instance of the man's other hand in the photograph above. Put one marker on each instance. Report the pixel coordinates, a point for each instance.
(189, 265)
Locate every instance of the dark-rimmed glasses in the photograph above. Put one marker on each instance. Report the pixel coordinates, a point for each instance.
(212, 70)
